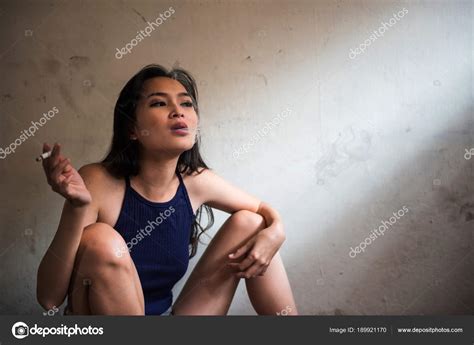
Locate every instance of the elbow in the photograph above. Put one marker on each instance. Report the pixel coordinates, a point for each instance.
(45, 297)
(45, 305)
(47, 302)
(44, 301)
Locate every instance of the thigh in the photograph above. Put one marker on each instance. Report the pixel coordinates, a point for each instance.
(211, 286)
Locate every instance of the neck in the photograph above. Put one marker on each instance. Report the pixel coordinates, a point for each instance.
(157, 172)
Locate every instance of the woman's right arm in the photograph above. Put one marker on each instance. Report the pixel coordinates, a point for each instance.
(55, 269)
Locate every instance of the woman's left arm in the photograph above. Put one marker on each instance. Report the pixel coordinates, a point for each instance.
(215, 192)
(261, 248)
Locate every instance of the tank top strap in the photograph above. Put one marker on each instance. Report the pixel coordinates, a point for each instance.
(180, 178)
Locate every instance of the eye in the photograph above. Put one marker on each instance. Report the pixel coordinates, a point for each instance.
(157, 103)
(161, 103)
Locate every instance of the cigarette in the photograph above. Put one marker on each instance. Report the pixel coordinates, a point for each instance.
(43, 156)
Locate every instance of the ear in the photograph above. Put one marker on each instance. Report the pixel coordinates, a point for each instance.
(133, 134)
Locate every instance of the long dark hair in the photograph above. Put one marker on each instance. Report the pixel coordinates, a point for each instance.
(122, 158)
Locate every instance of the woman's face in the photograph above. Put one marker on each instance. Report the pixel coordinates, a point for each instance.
(163, 113)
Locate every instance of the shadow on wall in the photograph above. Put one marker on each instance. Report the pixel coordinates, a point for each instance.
(423, 264)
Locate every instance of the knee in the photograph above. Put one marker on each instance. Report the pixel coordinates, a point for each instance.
(102, 244)
(248, 220)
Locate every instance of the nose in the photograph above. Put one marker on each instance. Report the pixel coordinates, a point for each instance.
(176, 114)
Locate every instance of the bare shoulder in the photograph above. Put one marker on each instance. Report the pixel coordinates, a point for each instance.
(98, 180)
(195, 183)
(107, 191)
(196, 179)
(96, 173)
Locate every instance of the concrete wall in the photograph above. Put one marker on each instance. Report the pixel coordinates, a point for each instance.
(364, 133)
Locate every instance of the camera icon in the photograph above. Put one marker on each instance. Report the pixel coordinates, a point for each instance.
(20, 330)
(469, 153)
(285, 311)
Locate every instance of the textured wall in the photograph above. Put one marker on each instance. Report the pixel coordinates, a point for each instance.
(337, 136)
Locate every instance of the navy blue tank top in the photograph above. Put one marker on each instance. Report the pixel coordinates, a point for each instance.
(157, 236)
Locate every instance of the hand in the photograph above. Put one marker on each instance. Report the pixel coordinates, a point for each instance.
(260, 250)
(63, 178)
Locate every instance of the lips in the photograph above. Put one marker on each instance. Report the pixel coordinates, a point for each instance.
(179, 125)
(180, 128)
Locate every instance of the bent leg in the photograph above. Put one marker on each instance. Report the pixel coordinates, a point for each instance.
(271, 294)
(211, 286)
(105, 280)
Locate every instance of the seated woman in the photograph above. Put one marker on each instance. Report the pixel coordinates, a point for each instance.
(131, 223)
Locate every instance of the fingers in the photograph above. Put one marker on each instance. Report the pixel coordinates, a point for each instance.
(54, 159)
(242, 250)
(242, 266)
(44, 162)
(255, 270)
(67, 180)
(68, 167)
(59, 169)
(65, 184)
(56, 165)
(245, 264)
(253, 265)
(263, 272)
(46, 147)
(50, 163)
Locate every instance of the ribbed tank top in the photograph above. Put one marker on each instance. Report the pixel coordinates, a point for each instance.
(157, 236)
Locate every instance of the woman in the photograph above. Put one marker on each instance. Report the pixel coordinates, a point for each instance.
(131, 222)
